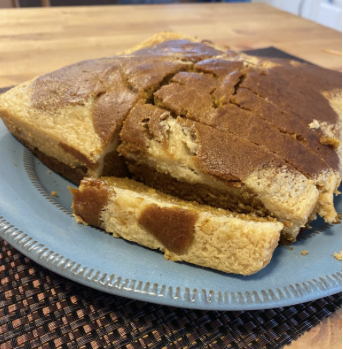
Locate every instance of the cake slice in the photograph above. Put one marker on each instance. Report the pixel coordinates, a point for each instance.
(184, 231)
(198, 162)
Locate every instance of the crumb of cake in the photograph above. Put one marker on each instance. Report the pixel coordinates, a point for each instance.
(80, 220)
(54, 193)
(291, 248)
(287, 224)
(304, 253)
(338, 219)
(338, 255)
(15, 165)
(48, 171)
(314, 124)
(329, 141)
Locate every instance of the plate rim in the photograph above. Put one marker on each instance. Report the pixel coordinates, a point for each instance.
(172, 295)
(39, 253)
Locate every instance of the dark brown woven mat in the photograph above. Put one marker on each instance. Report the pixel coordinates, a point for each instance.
(40, 309)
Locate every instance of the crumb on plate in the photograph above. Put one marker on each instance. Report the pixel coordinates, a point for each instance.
(338, 255)
(304, 253)
(54, 193)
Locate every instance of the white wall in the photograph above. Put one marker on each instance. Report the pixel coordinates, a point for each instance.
(325, 12)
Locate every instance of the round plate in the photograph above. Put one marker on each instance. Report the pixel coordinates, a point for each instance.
(42, 227)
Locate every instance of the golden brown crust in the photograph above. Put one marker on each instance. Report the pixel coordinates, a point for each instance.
(227, 156)
(221, 68)
(226, 89)
(246, 125)
(71, 85)
(115, 83)
(221, 154)
(142, 124)
(172, 226)
(264, 125)
(111, 108)
(202, 83)
(89, 200)
(286, 122)
(296, 88)
(145, 75)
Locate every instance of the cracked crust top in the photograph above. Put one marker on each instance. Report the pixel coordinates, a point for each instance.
(267, 103)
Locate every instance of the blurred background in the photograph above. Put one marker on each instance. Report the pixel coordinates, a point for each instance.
(325, 12)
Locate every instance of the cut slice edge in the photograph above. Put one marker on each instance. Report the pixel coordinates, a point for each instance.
(275, 189)
(184, 231)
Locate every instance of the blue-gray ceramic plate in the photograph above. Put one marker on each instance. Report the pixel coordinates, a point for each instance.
(42, 227)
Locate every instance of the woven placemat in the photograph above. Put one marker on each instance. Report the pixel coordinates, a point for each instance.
(40, 309)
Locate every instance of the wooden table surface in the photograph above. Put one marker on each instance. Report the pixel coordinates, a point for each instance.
(34, 41)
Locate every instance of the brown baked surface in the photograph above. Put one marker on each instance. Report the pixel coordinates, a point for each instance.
(270, 107)
(266, 103)
(249, 121)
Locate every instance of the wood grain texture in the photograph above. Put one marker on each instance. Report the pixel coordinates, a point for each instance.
(34, 41)
(326, 335)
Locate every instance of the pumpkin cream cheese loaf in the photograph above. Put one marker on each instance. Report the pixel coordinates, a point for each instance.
(193, 120)
(183, 230)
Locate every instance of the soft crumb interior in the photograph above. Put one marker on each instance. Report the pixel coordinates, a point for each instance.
(176, 157)
(221, 241)
(289, 195)
(72, 125)
(141, 189)
(327, 184)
